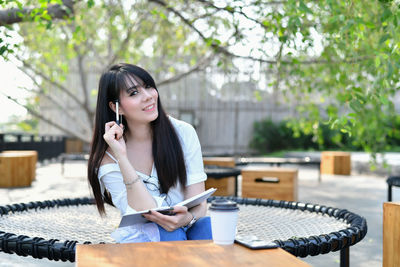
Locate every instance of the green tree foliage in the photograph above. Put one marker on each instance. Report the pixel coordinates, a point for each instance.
(360, 76)
(336, 60)
(269, 136)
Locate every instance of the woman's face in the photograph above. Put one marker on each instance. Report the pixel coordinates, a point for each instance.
(139, 102)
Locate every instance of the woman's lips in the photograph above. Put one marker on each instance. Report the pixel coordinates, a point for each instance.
(150, 107)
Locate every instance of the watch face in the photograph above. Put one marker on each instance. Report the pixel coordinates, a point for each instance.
(193, 221)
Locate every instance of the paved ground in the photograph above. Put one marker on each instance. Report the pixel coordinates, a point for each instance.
(362, 194)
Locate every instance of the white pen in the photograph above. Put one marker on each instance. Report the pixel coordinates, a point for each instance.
(116, 111)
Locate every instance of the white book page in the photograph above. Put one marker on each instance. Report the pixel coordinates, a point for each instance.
(137, 217)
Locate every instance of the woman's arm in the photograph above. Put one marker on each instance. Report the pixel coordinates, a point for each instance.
(192, 190)
(138, 196)
(182, 216)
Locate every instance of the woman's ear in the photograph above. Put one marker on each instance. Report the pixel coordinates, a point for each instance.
(111, 105)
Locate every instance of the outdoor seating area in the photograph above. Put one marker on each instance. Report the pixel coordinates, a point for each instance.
(317, 229)
(305, 243)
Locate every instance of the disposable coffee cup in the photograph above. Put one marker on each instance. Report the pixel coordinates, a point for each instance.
(224, 215)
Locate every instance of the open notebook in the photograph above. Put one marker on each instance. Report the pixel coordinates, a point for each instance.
(137, 217)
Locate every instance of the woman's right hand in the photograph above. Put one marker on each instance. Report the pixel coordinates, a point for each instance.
(114, 138)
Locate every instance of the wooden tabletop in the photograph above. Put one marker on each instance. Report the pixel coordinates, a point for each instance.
(181, 253)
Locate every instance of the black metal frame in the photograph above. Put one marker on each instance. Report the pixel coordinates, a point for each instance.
(38, 247)
(53, 249)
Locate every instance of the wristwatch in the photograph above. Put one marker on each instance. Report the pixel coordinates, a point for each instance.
(193, 221)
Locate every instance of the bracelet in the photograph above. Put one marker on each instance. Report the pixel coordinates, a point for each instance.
(133, 181)
(193, 221)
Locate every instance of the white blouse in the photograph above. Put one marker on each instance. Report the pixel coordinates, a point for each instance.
(110, 175)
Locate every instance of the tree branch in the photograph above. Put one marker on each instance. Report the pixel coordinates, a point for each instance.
(49, 80)
(278, 73)
(54, 101)
(83, 79)
(218, 48)
(184, 74)
(232, 11)
(11, 16)
(49, 121)
(130, 28)
(224, 51)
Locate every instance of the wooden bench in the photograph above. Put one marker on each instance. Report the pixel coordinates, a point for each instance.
(391, 234)
(226, 186)
(17, 168)
(270, 183)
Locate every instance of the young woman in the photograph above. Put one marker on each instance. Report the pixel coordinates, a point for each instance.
(149, 160)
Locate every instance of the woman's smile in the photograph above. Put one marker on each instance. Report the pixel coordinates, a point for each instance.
(150, 108)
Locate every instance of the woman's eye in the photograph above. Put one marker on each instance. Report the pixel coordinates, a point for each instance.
(147, 86)
(133, 93)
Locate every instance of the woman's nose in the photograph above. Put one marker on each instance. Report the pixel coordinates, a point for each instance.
(146, 94)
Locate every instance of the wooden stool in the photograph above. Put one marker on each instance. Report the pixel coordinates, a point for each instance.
(17, 168)
(335, 162)
(270, 183)
(391, 234)
(392, 181)
(225, 186)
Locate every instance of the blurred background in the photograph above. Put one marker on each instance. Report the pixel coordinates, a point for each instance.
(253, 77)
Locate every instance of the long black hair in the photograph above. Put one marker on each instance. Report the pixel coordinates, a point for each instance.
(167, 150)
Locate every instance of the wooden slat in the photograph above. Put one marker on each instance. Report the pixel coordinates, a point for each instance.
(220, 161)
(181, 253)
(391, 234)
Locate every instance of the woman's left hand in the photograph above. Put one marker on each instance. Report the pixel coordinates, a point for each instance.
(171, 222)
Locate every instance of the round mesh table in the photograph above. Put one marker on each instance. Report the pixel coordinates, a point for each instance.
(51, 229)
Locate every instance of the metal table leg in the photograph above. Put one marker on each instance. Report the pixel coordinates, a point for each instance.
(345, 257)
(236, 186)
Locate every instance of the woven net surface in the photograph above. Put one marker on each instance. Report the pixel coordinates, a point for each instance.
(79, 223)
(271, 223)
(83, 223)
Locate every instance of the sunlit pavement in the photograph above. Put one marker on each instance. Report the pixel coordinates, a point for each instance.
(361, 194)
